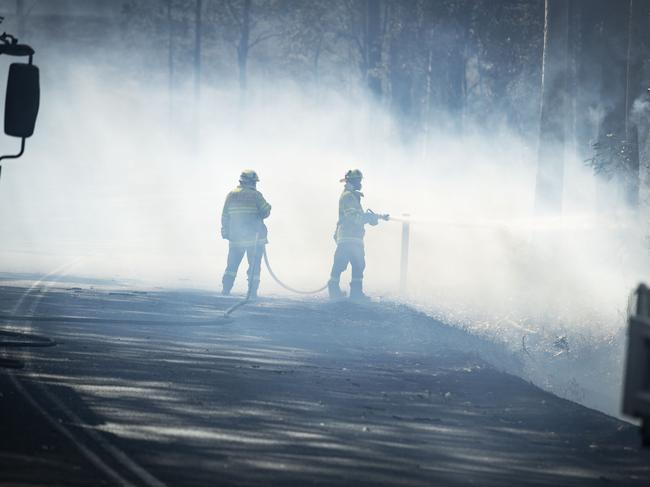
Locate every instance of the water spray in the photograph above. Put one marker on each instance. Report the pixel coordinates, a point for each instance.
(565, 222)
(574, 222)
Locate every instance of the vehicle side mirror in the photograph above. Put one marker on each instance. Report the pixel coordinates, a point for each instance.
(22, 100)
(636, 386)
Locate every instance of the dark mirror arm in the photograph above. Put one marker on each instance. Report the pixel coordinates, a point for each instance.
(14, 156)
(20, 50)
(16, 50)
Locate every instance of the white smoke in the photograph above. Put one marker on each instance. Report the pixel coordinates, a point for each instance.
(110, 178)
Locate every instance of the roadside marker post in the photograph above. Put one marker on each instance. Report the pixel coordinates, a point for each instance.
(404, 261)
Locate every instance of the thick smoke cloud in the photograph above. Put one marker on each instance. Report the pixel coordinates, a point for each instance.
(115, 184)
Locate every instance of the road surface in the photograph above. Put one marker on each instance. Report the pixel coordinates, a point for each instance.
(153, 388)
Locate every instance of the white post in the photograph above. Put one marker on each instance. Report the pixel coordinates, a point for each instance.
(404, 261)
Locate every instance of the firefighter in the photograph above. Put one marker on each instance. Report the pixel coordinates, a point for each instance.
(242, 224)
(349, 237)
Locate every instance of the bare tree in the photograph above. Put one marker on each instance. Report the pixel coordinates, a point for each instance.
(242, 26)
(311, 35)
(244, 44)
(372, 46)
(170, 56)
(632, 92)
(615, 156)
(198, 37)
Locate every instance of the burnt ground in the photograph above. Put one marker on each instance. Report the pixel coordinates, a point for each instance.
(154, 388)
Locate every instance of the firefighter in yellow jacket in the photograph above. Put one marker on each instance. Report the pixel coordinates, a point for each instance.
(349, 237)
(242, 224)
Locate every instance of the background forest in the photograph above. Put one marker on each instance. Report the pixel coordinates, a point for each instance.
(445, 65)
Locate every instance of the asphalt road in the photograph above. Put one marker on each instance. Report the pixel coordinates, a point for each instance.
(154, 388)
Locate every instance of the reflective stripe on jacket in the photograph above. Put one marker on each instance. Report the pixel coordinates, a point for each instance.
(350, 227)
(242, 217)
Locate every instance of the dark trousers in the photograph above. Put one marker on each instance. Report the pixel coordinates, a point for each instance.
(235, 256)
(349, 253)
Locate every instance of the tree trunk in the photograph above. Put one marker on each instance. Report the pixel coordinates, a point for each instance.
(644, 166)
(455, 90)
(170, 59)
(589, 73)
(632, 92)
(428, 100)
(198, 30)
(317, 54)
(574, 39)
(554, 109)
(612, 136)
(243, 48)
(428, 95)
(373, 47)
(640, 109)
(401, 100)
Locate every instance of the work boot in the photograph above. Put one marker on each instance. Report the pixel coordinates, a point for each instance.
(334, 290)
(356, 292)
(227, 283)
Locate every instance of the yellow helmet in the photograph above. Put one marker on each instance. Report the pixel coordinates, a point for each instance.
(249, 176)
(351, 175)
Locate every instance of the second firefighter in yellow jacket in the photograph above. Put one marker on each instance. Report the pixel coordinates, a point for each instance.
(242, 224)
(349, 237)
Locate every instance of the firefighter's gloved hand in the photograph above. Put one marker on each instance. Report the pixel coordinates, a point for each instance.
(371, 218)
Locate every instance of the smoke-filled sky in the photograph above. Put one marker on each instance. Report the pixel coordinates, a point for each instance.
(124, 188)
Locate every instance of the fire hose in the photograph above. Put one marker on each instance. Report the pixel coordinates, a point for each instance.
(285, 286)
(247, 299)
(371, 215)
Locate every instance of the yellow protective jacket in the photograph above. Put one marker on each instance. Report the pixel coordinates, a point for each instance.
(350, 227)
(242, 217)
